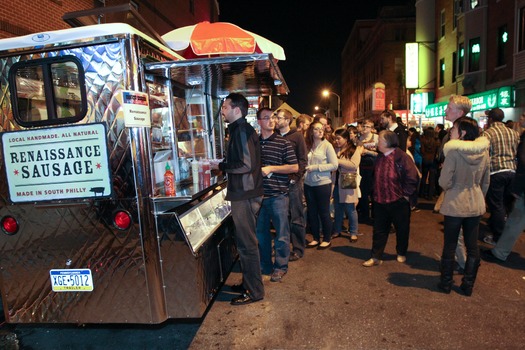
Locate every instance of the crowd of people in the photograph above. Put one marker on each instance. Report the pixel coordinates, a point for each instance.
(371, 174)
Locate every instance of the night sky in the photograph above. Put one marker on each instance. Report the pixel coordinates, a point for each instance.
(312, 34)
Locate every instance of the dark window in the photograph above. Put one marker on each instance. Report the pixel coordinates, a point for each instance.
(521, 43)
(192, 7)
(454, 66)
(457, 11)
(461, 59)
(473, 54)
(442, 72)
(443, 23)
(503, 38)
(48, 91)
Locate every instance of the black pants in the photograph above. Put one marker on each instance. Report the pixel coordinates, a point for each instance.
(397, 213)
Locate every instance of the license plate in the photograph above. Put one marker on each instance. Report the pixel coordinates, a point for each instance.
(71, 280)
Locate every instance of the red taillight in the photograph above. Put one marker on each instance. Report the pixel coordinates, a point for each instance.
(122, 220)
(9, 225)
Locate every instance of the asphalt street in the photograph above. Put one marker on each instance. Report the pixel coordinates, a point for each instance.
(329, 301)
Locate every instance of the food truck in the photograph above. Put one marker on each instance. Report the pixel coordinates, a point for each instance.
(108, 210)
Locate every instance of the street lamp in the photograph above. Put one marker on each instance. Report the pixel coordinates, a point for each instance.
(319, 109)
(326, 93)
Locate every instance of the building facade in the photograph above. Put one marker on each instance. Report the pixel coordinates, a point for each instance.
(373, 57)
(466, 47)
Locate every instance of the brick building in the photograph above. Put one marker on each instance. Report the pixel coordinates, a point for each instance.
(375, 53)
(22, 17)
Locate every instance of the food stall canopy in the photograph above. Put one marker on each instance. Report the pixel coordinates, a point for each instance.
(219, 38)
(288, 107)
(251, 75)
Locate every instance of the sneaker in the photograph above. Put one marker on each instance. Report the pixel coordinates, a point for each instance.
(277, 275)
(489, 239)
(401, 258)
(353, 238)
(415, 209)
(312, 244)
(324, 245)
(372, 262)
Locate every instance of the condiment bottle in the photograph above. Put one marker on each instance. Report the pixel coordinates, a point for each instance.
(169, 181)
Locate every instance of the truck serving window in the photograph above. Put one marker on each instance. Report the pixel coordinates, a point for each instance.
(48, 91)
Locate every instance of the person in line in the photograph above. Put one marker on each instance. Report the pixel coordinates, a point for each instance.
(389, 122)
(322, 160)
(354, 135)
(515, 223)
(465, 181)
(245, 192)
(327, 128)
(395, 180)
(345, 200)
(414, 137)
(296, 189)
(440, 132)
(278, 160)
(520, 125)
(414, 197)
(303, 122)
(503, 147)
(458, 106)
(429, 150)
(366, 169)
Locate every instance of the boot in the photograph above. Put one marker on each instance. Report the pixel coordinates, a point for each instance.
(471, 271)
(447, 271)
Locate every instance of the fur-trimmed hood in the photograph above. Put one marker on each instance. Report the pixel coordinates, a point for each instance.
(471, 151)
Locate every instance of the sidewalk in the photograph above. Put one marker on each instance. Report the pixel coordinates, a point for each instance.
(329, 301)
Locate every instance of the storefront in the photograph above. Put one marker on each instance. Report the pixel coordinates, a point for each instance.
(502, 97)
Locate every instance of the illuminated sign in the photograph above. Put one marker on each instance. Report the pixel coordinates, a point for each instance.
(418, 102)
(378, 97)
(501, 98)
(412, 65)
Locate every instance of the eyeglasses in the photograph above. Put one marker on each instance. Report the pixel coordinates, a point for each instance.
(367, 127)
(272, 117)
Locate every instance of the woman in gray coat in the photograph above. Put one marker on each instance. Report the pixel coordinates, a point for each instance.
(465, 180)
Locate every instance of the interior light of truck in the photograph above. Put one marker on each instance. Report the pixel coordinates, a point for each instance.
(122, 220)
(9, 225)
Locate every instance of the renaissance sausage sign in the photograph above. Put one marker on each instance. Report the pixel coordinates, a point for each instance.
(57, 163)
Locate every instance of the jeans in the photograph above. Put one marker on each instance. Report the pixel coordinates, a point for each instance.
(452, 226)
(340, 209)
(497, 198)
(397, 213)
(318, 209)
(244, 214)
(274, 210)
(297, 218)
(513, 229)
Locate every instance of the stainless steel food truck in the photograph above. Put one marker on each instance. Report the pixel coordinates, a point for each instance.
(99, 125)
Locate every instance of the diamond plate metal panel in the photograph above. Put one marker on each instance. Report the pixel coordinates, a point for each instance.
(78, 234)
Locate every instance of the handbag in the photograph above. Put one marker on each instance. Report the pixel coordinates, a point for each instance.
(349, 180)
